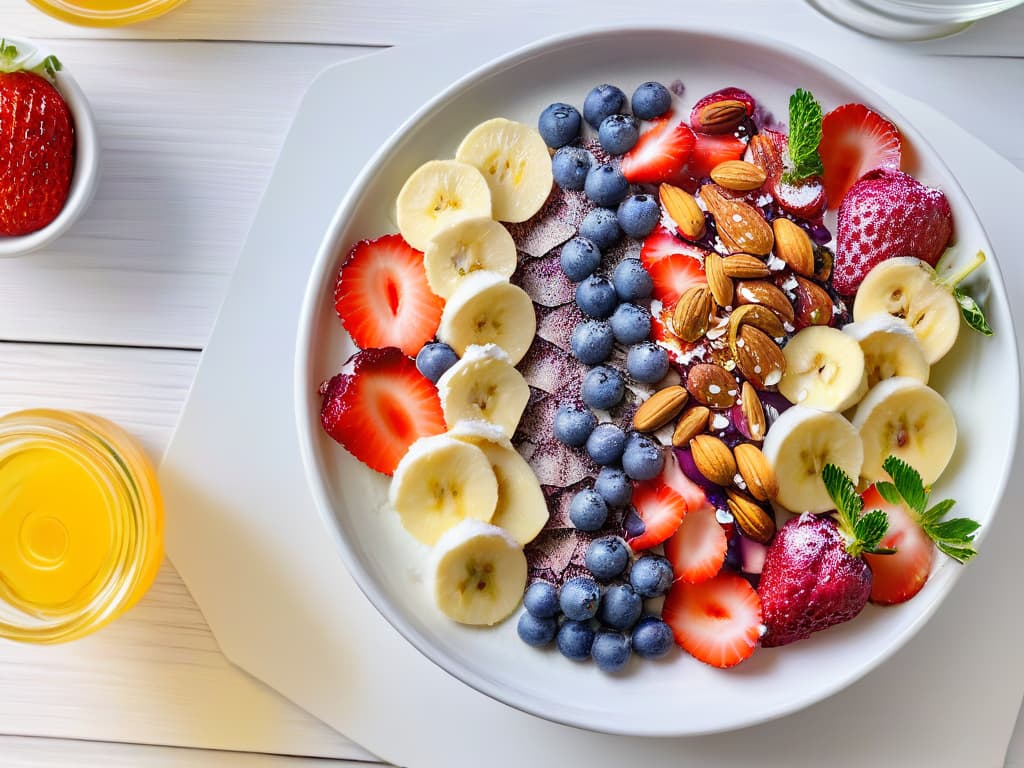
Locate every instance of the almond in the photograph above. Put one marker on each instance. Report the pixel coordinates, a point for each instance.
(743, 266)
(738, 175)
(813, 304)
(693, 422)
(766, 294)
(741, 227)
(718, 281)
(756, 472)
(660, 408)
(759, 358)
(712, 385)
(720, 116)
(751, 517)
(692, 314)
(753, 412)
(758, 316)
(682, 208)
(794, 246)
(713, 459)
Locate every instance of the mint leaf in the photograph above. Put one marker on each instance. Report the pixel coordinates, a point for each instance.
(870, 529)
(907, 482)
(863, 533)
(804, 136)
(972, 313)
(843, 494)
(888, 492)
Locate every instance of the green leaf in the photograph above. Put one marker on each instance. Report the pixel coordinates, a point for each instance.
(888, 492)
(8, 50)
(937, 512)
(51, 65)
(804, 136)
(959, 553)
(843, 494)
(960, 529)
(972, 313)
(907, 482)
(871, 528)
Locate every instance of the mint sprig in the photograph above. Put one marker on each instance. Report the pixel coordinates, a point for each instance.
(804, 137)
(969, 308)
(863, 532)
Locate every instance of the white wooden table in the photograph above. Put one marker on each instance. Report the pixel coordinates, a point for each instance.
(192, 110)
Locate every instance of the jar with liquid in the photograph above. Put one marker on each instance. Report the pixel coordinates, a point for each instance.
(105, 13)
(81, 525)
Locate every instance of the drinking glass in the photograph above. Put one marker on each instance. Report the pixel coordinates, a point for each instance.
(910, 19)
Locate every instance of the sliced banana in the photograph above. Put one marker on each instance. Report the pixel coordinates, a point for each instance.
(438, 193)
(799, 445)
(906, 288)
(903, 417)
(522, 509)
(890, 349)
(479, 573)
(824, 369)
(440, 482)
(464, 246)
(484, 385)
(487, 309)
(515, 161)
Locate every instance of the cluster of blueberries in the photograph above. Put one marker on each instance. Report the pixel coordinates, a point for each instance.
(606, 624)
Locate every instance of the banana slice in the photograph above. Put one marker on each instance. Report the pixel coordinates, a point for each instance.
(487, 309)
(905, 418)
(465, 246)
(522, 510)
(798, 446)
(906, 288)
(438, 193)
(440, 482)
(479, 573)
(824, 369)
(515, 161)
(484, 385)
(890, 349)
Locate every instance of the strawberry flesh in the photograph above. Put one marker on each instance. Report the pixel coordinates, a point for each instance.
(898, 577)
(661, 243)
(805, 198)
(709, 150)
(697, 550)
(660, 508)
(660, 154)
(673, 276)
(855, 140)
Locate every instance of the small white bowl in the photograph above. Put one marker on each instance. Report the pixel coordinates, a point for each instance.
(87, 157)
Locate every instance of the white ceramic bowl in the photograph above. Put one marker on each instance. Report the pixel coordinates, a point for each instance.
(87, 158)
(678, 695)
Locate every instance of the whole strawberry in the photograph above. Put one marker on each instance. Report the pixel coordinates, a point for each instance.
(888, 213)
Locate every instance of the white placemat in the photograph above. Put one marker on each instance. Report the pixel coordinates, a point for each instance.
(243, 532)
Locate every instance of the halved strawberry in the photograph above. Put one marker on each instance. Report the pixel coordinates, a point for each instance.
(717, 621)
(381, 408)
(805, 198)
(661, 243)
(661, 509)
(697, 550)
(709, 151)
(898, 577)
(383, 298)
(855, 140)
(673, 276)
(661, 152)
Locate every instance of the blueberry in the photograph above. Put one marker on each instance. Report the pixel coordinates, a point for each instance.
(607, 557)
(651, 576)
(575, 639)
(570, 167)
(541, 599)
(620, 607)
(595, 296)
(606, 444)
(651, 100)
(601, 226)
(643, 457)
(610, 650)
(618, 133)
(603, 387)
(592, 341)
(606, 185)
(646, 362)
(588, 511)
(652, 638)
(613, 485)
(579, 598)
(559, 124)
(573, 424)
(535, 631)
(639, 215)
(602, 101)
(630, 324)
(434, 359)
(579, 258)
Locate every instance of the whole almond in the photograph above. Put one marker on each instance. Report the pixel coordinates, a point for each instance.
(813, 304)
(743, 266)
(756, 315)
(693, 422)
(751, 517)
(713, 458)
(759, 358)
(753, 412)
(718, 281)
(794, 246)
(741, 227)
(692, 315)
(720, 116)
(660, 408)
(738, 175)
(712, 385)
(756, 472)
(682, 208)
(766, 294)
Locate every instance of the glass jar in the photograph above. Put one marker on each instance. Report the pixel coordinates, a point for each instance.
(81, 525)
(105, 13)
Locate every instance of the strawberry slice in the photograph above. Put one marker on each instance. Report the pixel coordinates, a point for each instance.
(898, 577)
(717, 621)
(660, 508)
(697, 550)
(383, 298)
(381, 408)
(710, 150)
(673, 276)
(661, 243)
(661, 152)
(855, 140)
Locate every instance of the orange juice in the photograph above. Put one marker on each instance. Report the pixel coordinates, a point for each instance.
(81, 525)
(105, 13)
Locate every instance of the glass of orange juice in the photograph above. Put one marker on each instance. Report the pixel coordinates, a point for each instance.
(81, 525)
(105, 13)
